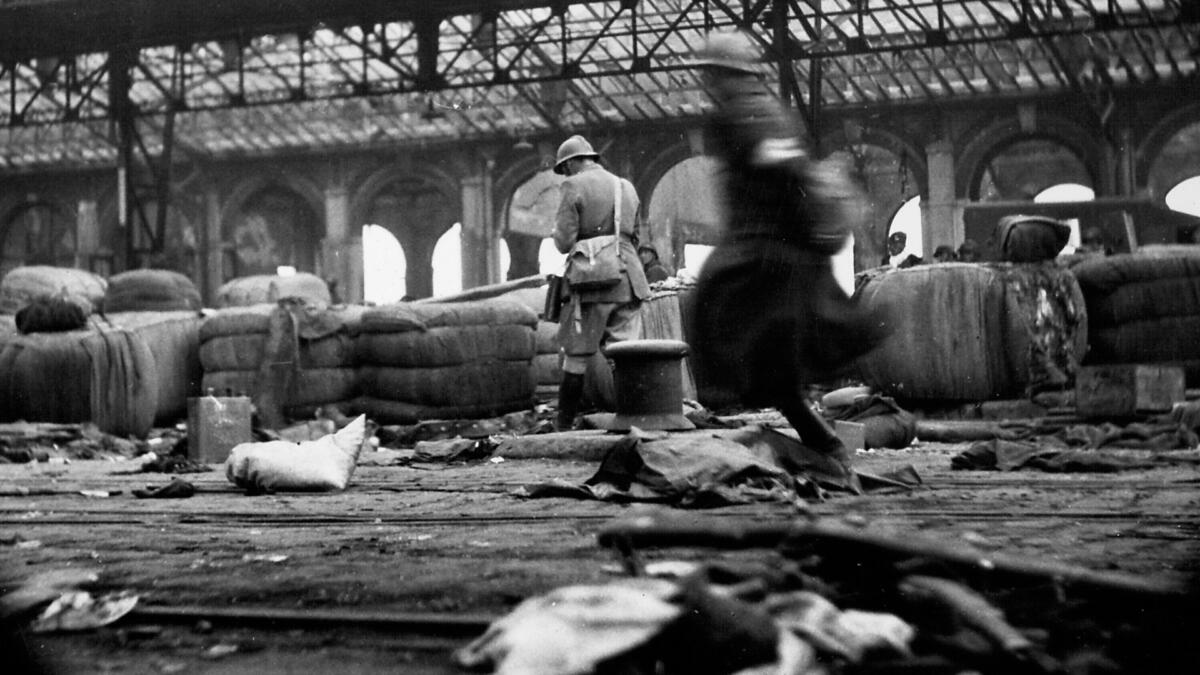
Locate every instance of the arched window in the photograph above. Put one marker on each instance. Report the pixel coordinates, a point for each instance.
(447, 262)
(907, 220)
(384, 266)
(1185, 197)
(1065, 192)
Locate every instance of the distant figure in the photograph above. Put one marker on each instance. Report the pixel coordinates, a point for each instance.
(651, 265)
(1092, 242)
(968, 251)
(895, 246)
(944, 253)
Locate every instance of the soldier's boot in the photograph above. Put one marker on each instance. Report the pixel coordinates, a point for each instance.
(816, 433)
(570, 394)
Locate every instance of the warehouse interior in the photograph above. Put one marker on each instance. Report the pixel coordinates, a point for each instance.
(272, 217)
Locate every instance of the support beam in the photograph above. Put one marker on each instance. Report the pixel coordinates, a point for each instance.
(940, 221)
(480, 248)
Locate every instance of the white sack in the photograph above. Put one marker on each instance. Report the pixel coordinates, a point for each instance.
(324, 464)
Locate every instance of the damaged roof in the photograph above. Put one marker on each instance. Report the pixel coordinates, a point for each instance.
(263, 77)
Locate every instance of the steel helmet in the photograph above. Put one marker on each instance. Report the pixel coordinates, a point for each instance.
(732, 50)
(575, 146)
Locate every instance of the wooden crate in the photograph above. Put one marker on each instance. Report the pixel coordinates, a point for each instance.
(1125, 390)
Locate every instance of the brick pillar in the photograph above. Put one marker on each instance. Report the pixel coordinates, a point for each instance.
(941, 219)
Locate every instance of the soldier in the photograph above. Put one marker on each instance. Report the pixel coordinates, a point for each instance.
(594, 318)
(769, 315)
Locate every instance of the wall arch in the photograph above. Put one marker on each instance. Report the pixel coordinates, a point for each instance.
(417, 204)
(270, 226)
(1152, 151)
(990, 141)
(52, 241)
(309, 191)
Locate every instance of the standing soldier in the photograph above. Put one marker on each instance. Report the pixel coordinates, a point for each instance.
(769, 315)
(594, 318)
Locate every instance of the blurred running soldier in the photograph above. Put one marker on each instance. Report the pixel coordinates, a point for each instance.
(769, 315)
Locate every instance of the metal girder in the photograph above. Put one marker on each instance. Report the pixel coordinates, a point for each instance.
(406, 71)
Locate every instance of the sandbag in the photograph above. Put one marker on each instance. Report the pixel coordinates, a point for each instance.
(1150, 299)
(233, 352)
(308, 387)
(975, 331)
(106, 377)
(401, 412)
(237, 321)
(1102, 275)
(22, 284)
(258, 289)
(52, 314)
(466, 384)
(547, 337)
(547, 369)
(150, 291)
(402, 317)
(446, 346)
(1031, 239)
(324, 464)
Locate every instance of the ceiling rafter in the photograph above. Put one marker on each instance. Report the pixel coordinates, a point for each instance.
(527, 67)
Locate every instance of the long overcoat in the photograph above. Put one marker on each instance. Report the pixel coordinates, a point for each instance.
(768, 316)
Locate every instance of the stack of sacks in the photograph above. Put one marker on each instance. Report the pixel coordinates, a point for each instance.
(261, 289)
(105, 376)
(151, 291)
(973, 332)
(1144, 307)
(314, 344)
(24, 284)
(446, 360)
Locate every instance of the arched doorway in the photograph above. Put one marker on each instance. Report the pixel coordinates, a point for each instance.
(685, 210)
(1022, 170)
(531, 211)
(275, 227)
(384, 266)
(418, 212)
(37, 233)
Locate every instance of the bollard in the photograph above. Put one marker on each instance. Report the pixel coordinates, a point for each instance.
(648, 379)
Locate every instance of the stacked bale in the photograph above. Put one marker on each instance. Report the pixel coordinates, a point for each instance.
(107, 377)
(261, 289)
(231, 349)
(1144, 307)
(300, 356)
(446, 360)
(174, 342)
(970, 332)
(151, 291)
(24, 284)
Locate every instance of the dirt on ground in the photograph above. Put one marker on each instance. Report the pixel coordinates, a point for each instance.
(450, 547)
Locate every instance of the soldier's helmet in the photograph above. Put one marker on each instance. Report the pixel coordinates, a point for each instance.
(731, 50)
(575, 146)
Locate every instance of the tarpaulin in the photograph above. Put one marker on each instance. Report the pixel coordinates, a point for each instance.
(754, 463)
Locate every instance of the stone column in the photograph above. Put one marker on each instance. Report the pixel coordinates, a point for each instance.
(87, 234)
(941, 219)
(480, 250)
(212, 250)
(341, 260)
